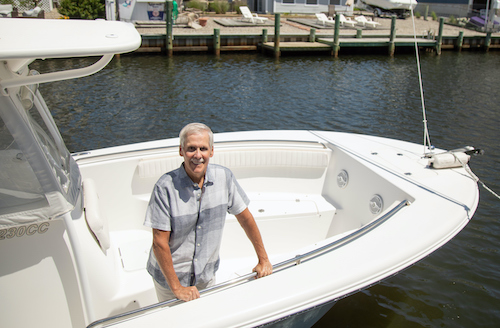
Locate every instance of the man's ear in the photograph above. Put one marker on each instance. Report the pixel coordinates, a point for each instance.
(180, 151)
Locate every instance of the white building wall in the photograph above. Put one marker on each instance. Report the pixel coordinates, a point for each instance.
(444, 9)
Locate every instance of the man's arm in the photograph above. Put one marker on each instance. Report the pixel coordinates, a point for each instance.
(247, 222)
(163, 255)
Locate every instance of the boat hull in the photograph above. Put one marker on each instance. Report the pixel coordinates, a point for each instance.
(319, 229)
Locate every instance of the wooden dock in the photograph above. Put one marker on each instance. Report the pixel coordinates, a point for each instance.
(326, 44)
(276, 44)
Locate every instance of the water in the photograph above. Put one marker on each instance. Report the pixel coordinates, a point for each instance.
(140, 98)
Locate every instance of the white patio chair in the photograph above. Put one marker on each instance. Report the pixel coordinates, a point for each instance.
(324, 20)
(363, 21)
(249, 17)
(33, 12)
(6, 10)
(346, 21)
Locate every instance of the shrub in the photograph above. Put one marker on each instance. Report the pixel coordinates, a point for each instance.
(219, 6)
(417, 14)
(237, 4)
(195, 4)
(452, 20)
(85, 9)
(434, 16)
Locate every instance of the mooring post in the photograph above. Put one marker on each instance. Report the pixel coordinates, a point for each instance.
(426, 12)
(264, 38)
(336, 43)
(392, 43)
(217, 41)
(312, 35)
(460, 41)
(359, 33)
(487, 41)
(439, 40)
(277, 52)
(169, 44)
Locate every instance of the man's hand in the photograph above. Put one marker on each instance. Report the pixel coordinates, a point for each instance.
(264, 268)
(186, 294)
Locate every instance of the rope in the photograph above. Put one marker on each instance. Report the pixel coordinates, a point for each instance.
(427, 138)
(474, 177)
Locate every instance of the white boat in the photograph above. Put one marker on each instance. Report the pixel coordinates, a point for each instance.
(400, 8)
(338, 212)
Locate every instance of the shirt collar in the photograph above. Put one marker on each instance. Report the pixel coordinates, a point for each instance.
(209, 176)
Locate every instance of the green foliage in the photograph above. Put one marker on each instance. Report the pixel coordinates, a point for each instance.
(417, 14)
(434, 16)
(84, 9)
(7, 2)
(237, 4)
(452, 20)
(196, 5)
(219, 6)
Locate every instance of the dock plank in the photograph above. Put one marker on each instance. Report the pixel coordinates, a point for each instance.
(299, 46)
(379, 42)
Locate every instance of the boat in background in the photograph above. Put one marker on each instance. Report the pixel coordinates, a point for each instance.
(338, 212)
(400, 8)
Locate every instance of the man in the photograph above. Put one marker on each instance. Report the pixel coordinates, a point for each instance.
(187, 211)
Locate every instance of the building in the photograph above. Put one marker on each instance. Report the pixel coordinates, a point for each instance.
(300, 6)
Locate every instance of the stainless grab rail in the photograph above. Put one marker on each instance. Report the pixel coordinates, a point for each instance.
(276, 268)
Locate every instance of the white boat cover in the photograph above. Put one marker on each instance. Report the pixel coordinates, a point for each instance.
(59, 38)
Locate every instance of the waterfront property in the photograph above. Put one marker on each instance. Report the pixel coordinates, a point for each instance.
(351, 38)
(301, 6)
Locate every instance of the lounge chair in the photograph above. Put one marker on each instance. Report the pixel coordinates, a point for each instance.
(363, 21)
(249, 17)
(33, 12)
(323, 20)
(346, 21)
(6, 10)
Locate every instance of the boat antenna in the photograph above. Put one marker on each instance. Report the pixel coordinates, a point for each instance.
(427, 138)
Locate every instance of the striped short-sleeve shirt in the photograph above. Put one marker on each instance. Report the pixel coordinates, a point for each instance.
(195, 218)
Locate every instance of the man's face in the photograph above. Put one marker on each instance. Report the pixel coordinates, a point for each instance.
(196, 152)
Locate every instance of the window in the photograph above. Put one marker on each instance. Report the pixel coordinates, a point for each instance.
(20, 189)
(288, 1)
(311, 2)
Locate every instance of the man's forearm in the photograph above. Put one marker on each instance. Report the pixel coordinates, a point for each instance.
(161, 250)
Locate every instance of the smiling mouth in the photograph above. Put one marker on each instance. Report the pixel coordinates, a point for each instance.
(198, 161)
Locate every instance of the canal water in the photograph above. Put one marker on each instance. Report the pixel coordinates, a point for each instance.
(144, 97)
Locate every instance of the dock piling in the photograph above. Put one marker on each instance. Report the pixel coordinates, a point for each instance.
(169, 39)
(460, 41)
(336, 43)
(264, 39)
(487, 41)
(277, 18)
(217, 41)
(439, 41)
(359, 33)
(392, 44)
(312, 35)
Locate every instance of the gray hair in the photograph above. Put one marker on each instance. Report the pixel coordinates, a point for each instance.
(196, 128)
